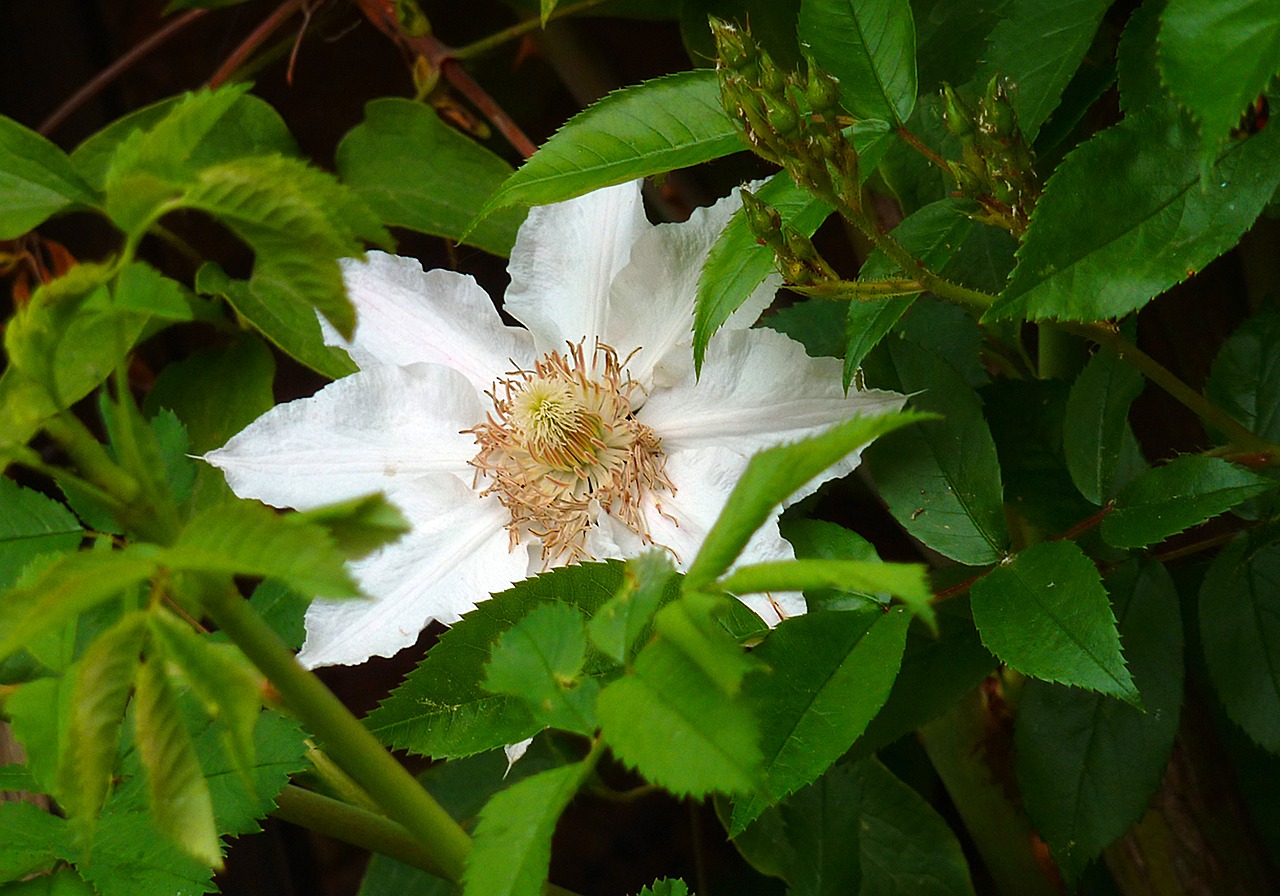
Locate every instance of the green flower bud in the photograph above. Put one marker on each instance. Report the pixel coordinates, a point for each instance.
(822, 92)
(998, 110)
(783, 118)
(956, 115)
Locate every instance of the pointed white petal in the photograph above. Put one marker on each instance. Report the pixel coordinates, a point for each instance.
(652, 302)
(456, 555)
(405, 315)
(758, 389)
(564, 260)
(360, 434)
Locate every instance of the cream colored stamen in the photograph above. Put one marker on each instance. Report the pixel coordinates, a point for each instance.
(562, 444)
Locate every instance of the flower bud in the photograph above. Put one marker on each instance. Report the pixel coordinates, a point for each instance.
(998, 110)
(734, 48)
(822, 91)
(763, 219)
(956, 115)
(782, 118)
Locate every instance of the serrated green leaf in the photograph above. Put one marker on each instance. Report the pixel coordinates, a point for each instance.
(38, 712)
(1136, 61)
(770, 478)
(130, 856)
(30, 840)
(511, 849)
(1087, 765)
(1046, 614)
(820, 540)
(1240, 629)
(1093, 254)
(282, 609)
(1245, 379)
(619, 625)
(941, 479)
(829, 675)
(294, 329)
(100, 693)
(1218, 57)
(648, 128)
(666, 887)
(817, 324)
(179, 469)
(1038, 47)
(36, 180)
(870, 46)
(951, 36)
(692, 625)
(539, 660)
(1096, 433)
(241, 797)
(905, 580)
(142, 289)
(442, 709)
(1168, 499)
(415, 171)
(251, 540)
(62, 882)
(180, 801)
(31, 525)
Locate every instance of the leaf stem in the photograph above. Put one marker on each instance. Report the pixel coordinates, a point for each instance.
(520, 29)
(265, 29)
(858, 290)
(346, 740)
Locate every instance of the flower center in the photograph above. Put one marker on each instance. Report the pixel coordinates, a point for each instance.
(562, 444)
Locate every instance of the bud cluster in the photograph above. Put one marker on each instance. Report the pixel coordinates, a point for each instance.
(798, 260)
(996, 163)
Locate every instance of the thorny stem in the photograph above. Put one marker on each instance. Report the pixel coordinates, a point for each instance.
(257, 38)
(520, 29)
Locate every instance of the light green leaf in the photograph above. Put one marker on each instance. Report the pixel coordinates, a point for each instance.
(415, 171)
(539, 661)
(36, 180)
(1168, 499)
(30, 840)
(39, 712)
(1096, 433)
(1092, 254)
(648, 128)
(905, 580)
(1240, 628)
(621, 623)
(1038, 47)
(511, 850)
(31, 525)
(1087, 764)
(829, 674)
(1046, 614)
(63, 882)
(941, 479)
(820, 540)
(1218, 57)
(143, 290)
(770, 478)
(666, 887)
(870, 46)
(180, 801)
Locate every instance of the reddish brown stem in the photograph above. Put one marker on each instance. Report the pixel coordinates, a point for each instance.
(919, 146)
(257, 38)
(115, 69)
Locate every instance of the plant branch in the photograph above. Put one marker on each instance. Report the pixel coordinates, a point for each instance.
(921, 147)
(256, 38)
(519, 29)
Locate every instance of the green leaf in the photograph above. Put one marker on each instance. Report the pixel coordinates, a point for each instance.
(511, 850)
(30, 840)
(694, 626)
(63, 882)
(180, 801)
(905, 580)
(870, 46)
(1240, 629)
(621, 623)
(1046, 614)
(242, 796)
(36, 180)
(829, 674)
(102, 685)
(142, 289)
(293, 329)
(359, 526)
(39, 712)
(442, 709)
(131, 856)
(770, 478)
(1087, 764)
(666, 887)
(415, 171)
(1096, 433)
(1168, 499)
(1245, 379)
(941, 479)
(820, 540)
(1092, 254)
(282, 609)
(648, 128)
(1136, 62)
(539, 661)
(1038, 47)
(1237, 41)
(31, 525)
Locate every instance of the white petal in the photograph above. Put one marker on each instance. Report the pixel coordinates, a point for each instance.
(363, 433)
(758, 389)
(456, 555)
(515, 752)
(405, 315)
(652, 304)
(564, 260)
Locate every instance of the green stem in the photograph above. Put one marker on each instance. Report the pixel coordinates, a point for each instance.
(520, 29)
(939, 286)
(345, 739)
(91, 459)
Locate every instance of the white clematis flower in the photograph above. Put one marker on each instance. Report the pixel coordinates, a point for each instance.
(584, 436)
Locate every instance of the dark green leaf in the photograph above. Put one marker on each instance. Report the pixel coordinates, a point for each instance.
(1218, 57)
(31, 525)
(817, 324)
(1096, 433)
(30, 840)
(1136, 63)
(178, 467)
(829, 674)
(951, 36)
(1092, 254)
(770, 478)
(870, 46)
(63, 882)
(359, 526)
(1088, 764)
(1168, 499)
(941, 479)
(36, 180)
(649, 128)
(1046, 614)
(666, 887)
(620, 624)
(1245, 380)
(1038, 47)
(131, 856)
(415, 171)
(1240, 628)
